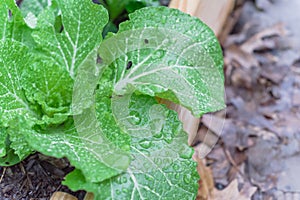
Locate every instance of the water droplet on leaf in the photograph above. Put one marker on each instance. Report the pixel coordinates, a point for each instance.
(135, 117)
(158, 55)
(146, 144)
(176, 167)
(187, 154)
(187, 178)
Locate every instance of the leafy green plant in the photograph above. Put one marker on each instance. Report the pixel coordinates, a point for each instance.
(66, 92)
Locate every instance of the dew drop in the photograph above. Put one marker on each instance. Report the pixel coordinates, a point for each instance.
(168, 140)
(158, 55)
(146, 144)
(158, 135)
(187, 154)
(171, 62)
(123, 180)
(135, 117)
(149, 178)
(158, 162)
(156, 126)
(187, 178)
(163, 19)
(175, 167)
(125, 191)
(118, 192)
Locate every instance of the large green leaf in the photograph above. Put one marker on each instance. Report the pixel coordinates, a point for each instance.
(79, 33)
(157, 142)
(164, 52)
(85, 153)
(161, 165)
(66, 39)
(14, 58)
(84, 142)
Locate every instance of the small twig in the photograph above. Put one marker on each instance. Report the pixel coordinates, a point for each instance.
(232, 162)
(22, 169)
(3, 173)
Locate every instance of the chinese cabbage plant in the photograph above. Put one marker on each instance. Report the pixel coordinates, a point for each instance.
(67, 92)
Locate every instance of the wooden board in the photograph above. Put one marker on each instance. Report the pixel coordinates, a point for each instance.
(213, 12)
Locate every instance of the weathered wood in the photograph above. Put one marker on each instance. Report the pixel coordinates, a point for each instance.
(62, 196)
(213, 12)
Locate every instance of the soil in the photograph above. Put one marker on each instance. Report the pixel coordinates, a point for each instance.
(35, 178)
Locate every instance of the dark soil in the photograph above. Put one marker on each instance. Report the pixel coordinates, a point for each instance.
(35, 178)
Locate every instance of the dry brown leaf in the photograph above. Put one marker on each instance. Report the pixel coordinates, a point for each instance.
(236, 54)
(206, 183)
(220, 165)
(232, 192)
(262, 4)
(258, 41)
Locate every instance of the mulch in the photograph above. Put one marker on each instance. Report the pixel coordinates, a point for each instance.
(35, 178)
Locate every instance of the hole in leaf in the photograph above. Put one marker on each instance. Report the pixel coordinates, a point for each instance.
(99, 59)
(7, 163)
(129, 65)
(10, 16)
(58, 24)
(96, 1)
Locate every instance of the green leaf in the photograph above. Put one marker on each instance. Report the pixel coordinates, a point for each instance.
(14, 26)
(14, 57)
(160, 45)
(65, 142)
(100, 136)
(116, 7)
(3, 141)
(75, 180)
(167, 183)
(161, 165)
(4, 22)
(155, 134)
(134, 5)
(104, 114)
(10, 158)
(50, 86)
(79, 34)
(17, 130)
(65, 42)
(34, 6)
